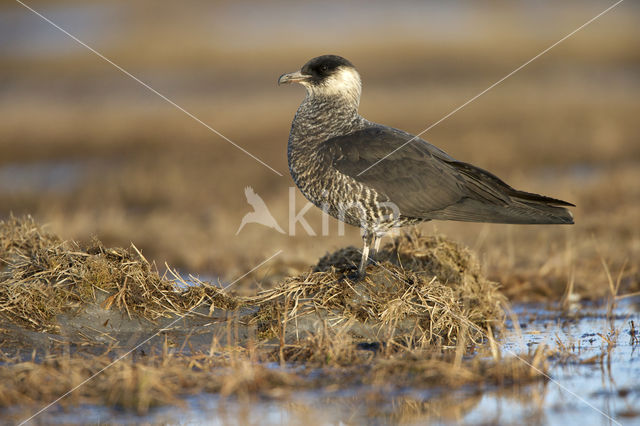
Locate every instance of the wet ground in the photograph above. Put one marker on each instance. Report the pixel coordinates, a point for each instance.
(594, 379)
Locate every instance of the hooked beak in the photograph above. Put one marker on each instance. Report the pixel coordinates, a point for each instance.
(293, 77)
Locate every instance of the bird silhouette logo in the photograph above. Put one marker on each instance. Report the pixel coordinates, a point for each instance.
(260, 213)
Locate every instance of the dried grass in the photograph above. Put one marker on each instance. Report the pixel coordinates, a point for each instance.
(135, 385)
(43, 277)
(387, 331)
(419, 291)
(140, 383)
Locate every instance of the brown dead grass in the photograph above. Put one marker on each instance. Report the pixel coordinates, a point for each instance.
(136, 385)
(141, 383)
(419, 291)
(388, 330)
(43, 276)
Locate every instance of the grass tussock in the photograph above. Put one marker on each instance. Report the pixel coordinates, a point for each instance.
(43, 276)
(419, 291)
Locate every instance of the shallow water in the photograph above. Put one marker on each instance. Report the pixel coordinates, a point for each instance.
(594, 386)
(54, 176)
(591, 382)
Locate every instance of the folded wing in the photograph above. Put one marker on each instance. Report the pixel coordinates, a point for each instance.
(426, 183)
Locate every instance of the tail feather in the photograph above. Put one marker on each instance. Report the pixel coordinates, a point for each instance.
(553, 213)
(537, 198)
(545, 206)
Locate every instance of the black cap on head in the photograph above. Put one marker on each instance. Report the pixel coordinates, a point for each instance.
(323, 66)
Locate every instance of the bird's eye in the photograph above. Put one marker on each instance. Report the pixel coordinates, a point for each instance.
(324, 68)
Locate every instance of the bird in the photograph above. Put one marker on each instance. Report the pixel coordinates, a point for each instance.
(260, 213)
(377, 177)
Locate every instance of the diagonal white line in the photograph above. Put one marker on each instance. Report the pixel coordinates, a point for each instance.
(247, 273)
(148, 87)
(494, 85)
(42, 410)
(560, 385)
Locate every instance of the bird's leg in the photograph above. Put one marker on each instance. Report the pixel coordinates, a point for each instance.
(377, 237)
(364, 260)
(366, 239)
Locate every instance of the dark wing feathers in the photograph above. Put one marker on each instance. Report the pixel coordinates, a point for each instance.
(403, 176)
(425, 182)
(529, 196)
(474, 172)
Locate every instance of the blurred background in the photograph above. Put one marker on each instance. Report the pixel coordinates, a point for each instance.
(89, 151)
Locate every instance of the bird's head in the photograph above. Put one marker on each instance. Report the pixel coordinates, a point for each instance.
(327, 76)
